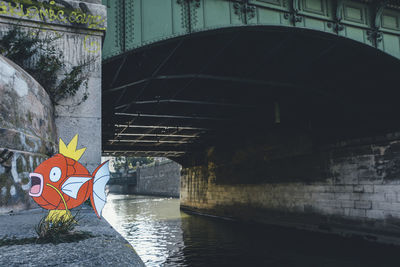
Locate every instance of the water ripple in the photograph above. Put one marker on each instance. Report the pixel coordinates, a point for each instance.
(164, 236)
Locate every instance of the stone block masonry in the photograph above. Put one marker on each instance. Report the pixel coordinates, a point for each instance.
(158, 179)
(356, 188)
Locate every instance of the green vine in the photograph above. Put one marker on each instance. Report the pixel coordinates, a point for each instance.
(37, 54)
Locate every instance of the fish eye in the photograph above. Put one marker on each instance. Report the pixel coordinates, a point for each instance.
(55, 174)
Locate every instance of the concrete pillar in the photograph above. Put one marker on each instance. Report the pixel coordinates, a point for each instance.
(80, 26)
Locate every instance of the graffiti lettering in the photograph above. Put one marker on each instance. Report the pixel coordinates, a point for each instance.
(34, 9)
(61, 17)
(51, 12)
(91, 46)
(12, 11)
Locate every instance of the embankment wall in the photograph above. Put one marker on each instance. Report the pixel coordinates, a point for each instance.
(27, 134)
(159, 179)
(351, 186)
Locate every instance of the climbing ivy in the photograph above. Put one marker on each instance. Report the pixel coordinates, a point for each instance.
(36, 53)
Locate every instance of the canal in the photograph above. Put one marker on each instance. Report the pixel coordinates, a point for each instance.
(163, 235)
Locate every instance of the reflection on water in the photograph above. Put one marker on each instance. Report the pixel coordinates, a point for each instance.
(164, 236)
(152, 225)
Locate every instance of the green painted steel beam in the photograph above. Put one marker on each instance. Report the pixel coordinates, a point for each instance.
(133, 24)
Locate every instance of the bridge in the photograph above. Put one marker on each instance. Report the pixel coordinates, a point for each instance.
(282, 112)
(177, 73)
(271, 106)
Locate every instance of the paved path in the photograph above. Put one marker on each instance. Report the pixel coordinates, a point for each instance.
(105, 248)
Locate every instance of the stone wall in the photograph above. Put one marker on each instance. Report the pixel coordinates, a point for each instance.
(79, 26)
(159, 179)
(29, 125)
(27, 131)
(351, 186)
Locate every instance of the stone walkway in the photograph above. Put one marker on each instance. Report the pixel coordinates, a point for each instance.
(105, 248)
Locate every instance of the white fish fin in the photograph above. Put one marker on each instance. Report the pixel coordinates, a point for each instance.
(72, 185)
(101, 177)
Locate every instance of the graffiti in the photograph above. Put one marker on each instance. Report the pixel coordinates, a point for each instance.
(91, 46)
(33, 9)
(5, 155)
(56, 11)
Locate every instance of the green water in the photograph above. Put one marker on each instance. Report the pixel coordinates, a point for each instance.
(162, 235)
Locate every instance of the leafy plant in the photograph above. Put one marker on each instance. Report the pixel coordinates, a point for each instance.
(36, 52)
(125, 163)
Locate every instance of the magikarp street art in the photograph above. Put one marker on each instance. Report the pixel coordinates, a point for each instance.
(62, 183)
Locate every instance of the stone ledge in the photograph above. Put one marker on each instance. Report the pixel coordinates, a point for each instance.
(107, 247)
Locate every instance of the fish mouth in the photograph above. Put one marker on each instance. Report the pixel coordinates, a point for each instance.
(36, 184)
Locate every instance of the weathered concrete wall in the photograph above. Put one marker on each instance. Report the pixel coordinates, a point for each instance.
(160, 179)
(352, 186)
(27, 131)
(122, 189)
(80, 27)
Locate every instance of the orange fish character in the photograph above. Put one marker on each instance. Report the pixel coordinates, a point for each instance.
(62, 183)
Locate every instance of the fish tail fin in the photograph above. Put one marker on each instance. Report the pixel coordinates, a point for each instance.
(98, 195)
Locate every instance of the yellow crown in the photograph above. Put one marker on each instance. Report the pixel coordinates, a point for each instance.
(70, 150)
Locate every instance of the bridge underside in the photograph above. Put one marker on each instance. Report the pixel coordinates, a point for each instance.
(179, 96)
